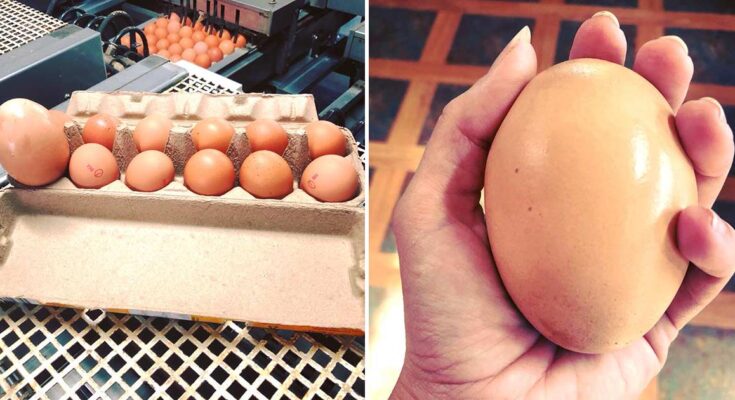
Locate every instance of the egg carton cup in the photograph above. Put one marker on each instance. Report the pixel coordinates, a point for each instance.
(293, 112)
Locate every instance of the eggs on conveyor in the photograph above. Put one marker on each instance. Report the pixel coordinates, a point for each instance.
(93, 166)
(33, 147)
(265, 174)
(583, 185)
(209, 172)
(152, 133)
(212, 133)
(324, 137)
(330, 178)
(266, 134)
(149, 171)
(101, 129)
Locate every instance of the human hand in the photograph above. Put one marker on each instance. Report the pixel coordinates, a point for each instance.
(464, 336)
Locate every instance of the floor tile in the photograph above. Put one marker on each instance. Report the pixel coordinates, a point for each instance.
(566, 37)
(399, 33)
(713, 53)
(444, 94)
(699, 365)
(711, 6)
(386, 96)
(480, 38)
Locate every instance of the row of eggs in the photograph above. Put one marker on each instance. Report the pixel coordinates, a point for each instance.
(34, 150)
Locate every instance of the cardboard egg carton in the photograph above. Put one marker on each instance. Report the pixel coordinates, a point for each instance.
(293, 112)
(294, 263)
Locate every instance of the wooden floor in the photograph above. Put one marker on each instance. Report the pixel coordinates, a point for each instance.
(418, 82)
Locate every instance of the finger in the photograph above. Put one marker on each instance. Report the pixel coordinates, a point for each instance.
(665, 62)
(453, 165)
(600, 37)
(708, 142)
(709, 243)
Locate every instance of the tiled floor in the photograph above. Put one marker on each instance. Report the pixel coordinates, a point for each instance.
(443, 48)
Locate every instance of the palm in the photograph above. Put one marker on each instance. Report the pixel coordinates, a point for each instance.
(465, 338)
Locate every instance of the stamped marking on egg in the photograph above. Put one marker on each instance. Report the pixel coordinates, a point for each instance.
(311, 182)
(98, 172)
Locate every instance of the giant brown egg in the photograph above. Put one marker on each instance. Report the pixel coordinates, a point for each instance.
(584, 181)
(33, 147)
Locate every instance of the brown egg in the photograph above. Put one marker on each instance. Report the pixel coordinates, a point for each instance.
(200, 48)
(100, 128)
(267, 134)
(160, 33)
(198, 36)
(203, 61)
(209, 172)
(163, 44)
(152, 133)
(186, 32)
(150, 29)
(584, 181)
(173, 27)
(265, 174)
(211, 41)
(240, 41)
(33, 147)
(324, 137)
(215, 54)
(186, 43)
(93, 166)
(224, 35)
(125, 41)
(173, 38)
(164, 53)
(188, 55)
(174, 18)
(198, 26)
(330, 178)
(227, 47)
(149, 171)
(175, 58)
(175, 49)
(212, 133)
(162, 22)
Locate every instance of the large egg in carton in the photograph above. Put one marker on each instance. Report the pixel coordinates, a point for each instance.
(293, 112)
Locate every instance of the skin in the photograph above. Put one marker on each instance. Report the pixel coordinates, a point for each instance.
(464, 337)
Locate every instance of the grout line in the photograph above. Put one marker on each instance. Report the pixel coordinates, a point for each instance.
(440, 39)
(412, 113)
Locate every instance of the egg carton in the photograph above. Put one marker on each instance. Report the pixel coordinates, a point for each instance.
(294, 263)
(293, 112)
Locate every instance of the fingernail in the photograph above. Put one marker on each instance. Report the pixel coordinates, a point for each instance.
(678, 40)
(721, 112)
(607, 14)
(717, 225)
(523, 36)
